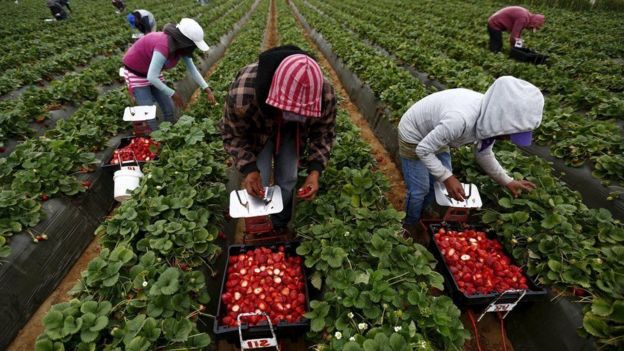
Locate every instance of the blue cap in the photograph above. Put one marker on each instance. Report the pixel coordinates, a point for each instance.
(521, 139)
(131, 20)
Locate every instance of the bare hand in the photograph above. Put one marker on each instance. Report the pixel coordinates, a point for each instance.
(178, 100)
(210, 96)
(310, 187)
(253, 184)
(516, 186)
(455, 188)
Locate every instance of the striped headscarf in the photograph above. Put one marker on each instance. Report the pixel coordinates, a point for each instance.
(297, 86)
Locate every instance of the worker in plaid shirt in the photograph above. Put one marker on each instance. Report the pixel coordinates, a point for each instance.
(277, 109)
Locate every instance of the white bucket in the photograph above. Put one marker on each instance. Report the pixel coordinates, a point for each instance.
(126, 179)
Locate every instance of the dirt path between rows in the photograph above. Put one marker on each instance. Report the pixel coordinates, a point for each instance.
(490, 335)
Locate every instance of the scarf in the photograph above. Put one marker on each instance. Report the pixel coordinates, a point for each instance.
(267, 65)
(177, 40)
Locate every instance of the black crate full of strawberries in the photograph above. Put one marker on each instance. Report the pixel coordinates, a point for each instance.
(477, 269)
(131, 149)
(269, 279)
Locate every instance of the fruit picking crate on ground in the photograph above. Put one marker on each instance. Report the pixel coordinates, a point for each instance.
(263, 296)
(477, 270)
(131, 149)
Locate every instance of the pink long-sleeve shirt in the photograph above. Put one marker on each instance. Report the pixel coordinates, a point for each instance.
(514, 19)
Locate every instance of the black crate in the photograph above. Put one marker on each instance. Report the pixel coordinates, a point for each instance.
(111, 167)
(282, 329)
(534, 293)
(527, 55)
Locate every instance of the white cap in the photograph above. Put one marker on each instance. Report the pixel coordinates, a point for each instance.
(192, 30)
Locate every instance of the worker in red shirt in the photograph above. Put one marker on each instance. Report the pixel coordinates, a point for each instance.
(512, 19)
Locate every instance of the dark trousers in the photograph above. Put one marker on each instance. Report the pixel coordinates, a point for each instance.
(496, 39)
(283, 167)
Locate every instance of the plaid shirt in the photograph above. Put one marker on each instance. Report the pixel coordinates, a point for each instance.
(245, 129)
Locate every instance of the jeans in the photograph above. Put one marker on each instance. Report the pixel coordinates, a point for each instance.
(149, 95)
(284, 170)
(496, 39)
(419, 184)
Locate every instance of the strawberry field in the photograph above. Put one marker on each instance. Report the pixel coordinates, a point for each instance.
(351, 280)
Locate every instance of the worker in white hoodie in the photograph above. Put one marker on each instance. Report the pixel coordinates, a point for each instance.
(510, 109)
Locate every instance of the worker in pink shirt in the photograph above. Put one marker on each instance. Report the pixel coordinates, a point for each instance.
(512, 19)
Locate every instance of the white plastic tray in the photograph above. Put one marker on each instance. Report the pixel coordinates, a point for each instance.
(139, 113)
(255, 207)
(442, 198)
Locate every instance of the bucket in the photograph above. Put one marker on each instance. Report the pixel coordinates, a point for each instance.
(126, 179)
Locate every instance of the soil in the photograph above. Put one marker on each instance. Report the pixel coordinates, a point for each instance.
(271, 39)
(25, 340)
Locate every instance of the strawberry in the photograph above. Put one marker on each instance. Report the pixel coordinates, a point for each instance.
(86, 184)
(478, 264)
(44, 197)
(261, 280)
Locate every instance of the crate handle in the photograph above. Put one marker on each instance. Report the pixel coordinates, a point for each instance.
(507, 307)
(251, 344)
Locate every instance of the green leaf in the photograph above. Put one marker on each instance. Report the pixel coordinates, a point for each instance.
(601, 307)
(71, 325)
(100, 323)
(520, 216)
(167, 283)
(333, 256)
(316, 280)
(489, 217)
(351, 346)
(595, 326)
(551, 220)
(138, 343)
(555, 266)
(505, 202)
(618, 312)
(198, 341)
(362, 278)
(397, 342)
(177, 330)
(317, 324)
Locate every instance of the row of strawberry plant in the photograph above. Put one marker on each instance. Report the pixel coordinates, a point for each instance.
(43, 167)
(573, 136)
(79, 48)
(75, 88)
(146, 290)
(559, 240)
(376, 286)
(580, 254)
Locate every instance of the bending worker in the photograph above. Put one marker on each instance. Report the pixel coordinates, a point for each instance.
(158, 51)
(510, 109)
(276, 108)
(512, 19)
(142, 20)
(57, 8)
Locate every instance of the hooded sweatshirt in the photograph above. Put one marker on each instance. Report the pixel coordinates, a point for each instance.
(457, 117)
(514, 19)
(146, 22)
